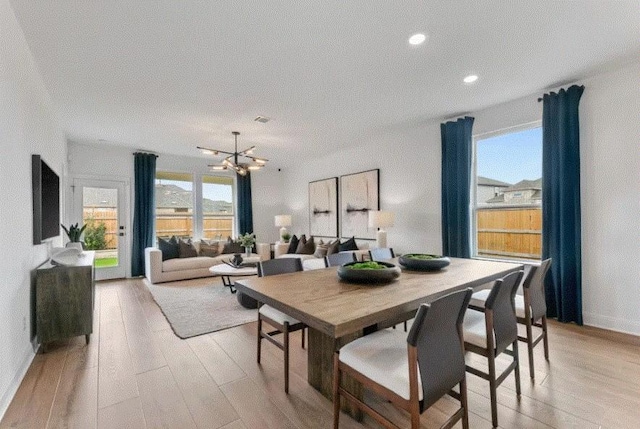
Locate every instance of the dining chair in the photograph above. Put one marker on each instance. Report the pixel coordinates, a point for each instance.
(283, 323)
(381, 254)
(411, 371)
(531, 308)
(490, 330)
(337, 259)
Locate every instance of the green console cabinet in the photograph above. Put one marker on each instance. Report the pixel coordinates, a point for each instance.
(65, 299)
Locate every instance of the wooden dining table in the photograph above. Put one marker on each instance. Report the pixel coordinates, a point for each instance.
(338, 312)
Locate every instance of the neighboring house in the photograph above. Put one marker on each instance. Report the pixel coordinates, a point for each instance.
(489, 188)
(174, 199)
(525, 192)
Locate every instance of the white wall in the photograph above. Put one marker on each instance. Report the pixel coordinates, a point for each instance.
(27, 126)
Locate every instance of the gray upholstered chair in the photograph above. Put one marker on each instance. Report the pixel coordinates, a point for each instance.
(491, 330)
(283, 323)
(412, 371)
(531, 308)
(381, 254)
(337, 259)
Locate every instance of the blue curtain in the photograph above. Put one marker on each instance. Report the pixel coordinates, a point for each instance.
(456, 187)
(245, 209)
(143, 209)
(561, 203)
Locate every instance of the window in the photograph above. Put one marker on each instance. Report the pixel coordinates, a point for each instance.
(507, 209)
(200, 206)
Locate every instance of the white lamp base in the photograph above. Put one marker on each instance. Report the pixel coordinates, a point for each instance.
(283, 231)
(381, 238)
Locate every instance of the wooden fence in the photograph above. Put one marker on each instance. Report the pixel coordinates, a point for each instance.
(178, 224)
(510, 232)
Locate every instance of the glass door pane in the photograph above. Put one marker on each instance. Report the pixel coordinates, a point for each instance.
(100, 214)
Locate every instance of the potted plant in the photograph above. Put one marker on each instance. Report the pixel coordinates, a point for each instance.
(247, 241)
(73, 233)
(286, 237)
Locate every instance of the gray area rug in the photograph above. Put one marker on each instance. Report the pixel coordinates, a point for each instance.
(196, 307)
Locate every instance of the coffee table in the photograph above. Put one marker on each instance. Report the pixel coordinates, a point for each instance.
(227, 271)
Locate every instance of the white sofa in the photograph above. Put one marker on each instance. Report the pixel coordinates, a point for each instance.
(310, 262)
(159, 271)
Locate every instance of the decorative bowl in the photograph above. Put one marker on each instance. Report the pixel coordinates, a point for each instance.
(388, 273)
(423, 262)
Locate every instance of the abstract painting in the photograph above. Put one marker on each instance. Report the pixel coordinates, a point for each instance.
(323, 208)
(359, 193)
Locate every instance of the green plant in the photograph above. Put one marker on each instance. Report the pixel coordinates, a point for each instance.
(286, 237)
(95, 236)
(74, 232)
(247, 240)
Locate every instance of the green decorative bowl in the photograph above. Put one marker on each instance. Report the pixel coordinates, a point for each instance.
(423, 262)
(381, 275)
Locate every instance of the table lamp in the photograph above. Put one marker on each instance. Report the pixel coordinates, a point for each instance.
(283, 221)
(381, 220)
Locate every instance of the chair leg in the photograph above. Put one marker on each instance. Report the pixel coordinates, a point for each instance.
(405, 326)
(303, 329)
(532, 373)
(516, 371)
(545, 338)
(259, 336)
(336, 391)
(463, 402)
(286, 357)
(493, 386)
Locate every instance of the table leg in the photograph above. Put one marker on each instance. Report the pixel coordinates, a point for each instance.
(320, 368)
(226, 281)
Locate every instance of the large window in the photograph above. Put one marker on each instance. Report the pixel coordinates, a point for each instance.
(508, 194)
(199, 207)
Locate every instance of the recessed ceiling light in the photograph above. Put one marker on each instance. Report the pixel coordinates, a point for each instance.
(470, 79)
(417, 39)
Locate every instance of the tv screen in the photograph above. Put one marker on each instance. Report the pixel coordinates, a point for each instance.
(46, 200)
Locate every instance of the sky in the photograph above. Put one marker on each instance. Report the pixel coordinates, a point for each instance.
(511, 157)
(211, 191)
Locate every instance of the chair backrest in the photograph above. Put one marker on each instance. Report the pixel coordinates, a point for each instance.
(534, 282)
(339, 258)
(437, 335)
(500, 304)
(272, 267)
(381, 254)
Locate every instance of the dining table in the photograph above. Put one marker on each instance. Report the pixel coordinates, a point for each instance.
(337, 312)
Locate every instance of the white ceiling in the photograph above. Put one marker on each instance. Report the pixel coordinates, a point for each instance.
(169, 75)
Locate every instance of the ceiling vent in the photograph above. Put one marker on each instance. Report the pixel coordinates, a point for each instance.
(262, 119)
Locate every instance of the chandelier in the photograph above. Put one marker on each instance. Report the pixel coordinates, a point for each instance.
(241, 162)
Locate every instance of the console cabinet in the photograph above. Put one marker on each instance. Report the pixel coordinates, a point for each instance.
(65, 298)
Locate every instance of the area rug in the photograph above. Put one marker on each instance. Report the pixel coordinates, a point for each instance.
(196, 307)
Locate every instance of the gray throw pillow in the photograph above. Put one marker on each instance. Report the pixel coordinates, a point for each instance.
(186, 249)
(169, 248)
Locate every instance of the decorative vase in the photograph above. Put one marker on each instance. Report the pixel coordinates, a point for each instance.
(74, 245)
(247, 251)
(237, 259)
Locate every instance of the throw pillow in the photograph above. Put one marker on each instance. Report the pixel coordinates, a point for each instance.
(208, 249)
(350, 244)
(321, 250)
(231, 247)
(169, 248)
(333, 247)
(308, 248)
(293, 245)
(186, 249)
(301, 242)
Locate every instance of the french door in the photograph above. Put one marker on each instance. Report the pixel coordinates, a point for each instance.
(102, 206)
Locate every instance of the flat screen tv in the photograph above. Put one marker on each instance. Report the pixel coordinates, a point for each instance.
(45, 185)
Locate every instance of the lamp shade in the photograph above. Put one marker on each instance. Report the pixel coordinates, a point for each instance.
(283, 220)
(381, 219)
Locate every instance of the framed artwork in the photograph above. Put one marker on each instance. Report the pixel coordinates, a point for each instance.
(323, 208)
(359, 193)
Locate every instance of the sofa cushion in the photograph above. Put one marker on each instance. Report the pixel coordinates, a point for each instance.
(333, 247)
(293, 244)
(186, 249)
(169, 248)
(231, 247)
(181, 264)
(208, 249)
(350, 244)
(301, 242)
(300, 256)
(321, 250)
(308, 248)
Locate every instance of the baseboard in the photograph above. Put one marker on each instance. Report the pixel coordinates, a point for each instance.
(8, 395)
(612, 323)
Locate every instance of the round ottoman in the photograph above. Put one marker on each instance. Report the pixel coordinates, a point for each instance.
(246, 301)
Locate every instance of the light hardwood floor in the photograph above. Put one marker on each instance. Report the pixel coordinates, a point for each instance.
(136, 373)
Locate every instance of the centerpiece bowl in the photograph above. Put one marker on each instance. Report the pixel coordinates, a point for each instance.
(423, 262)
(368, 272)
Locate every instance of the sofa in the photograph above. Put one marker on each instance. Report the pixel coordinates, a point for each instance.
(313, 262)
(159, 271)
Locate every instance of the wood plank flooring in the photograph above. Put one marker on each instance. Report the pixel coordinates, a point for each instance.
(136, 373)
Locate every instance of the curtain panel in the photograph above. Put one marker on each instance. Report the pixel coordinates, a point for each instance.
(245, 208)
(561, 224)
(456, 187)
(143, 209)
